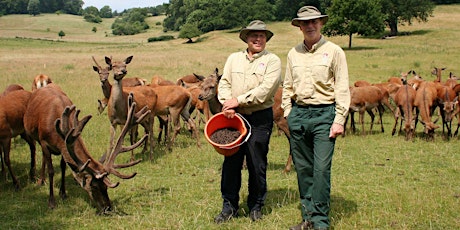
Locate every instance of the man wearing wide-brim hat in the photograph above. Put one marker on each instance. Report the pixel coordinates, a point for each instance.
(316, 99)
(247, 86)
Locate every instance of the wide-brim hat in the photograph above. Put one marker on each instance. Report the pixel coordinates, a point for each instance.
(308, 13)
(255, 25)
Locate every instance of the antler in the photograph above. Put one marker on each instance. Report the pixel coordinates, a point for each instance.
(71, 134)
(132, 120)
(96, 62)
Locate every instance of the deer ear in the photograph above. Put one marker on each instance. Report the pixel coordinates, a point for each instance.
(108, 61)
(128, 59)
(95, 68)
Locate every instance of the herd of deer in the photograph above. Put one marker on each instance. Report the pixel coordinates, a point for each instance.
(412, 97)
(46, 115)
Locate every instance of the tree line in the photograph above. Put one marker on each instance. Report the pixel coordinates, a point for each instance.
(195, 17)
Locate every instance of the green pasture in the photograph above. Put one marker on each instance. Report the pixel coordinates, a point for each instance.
(379, 181)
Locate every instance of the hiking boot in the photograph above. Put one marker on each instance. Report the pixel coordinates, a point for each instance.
(305, 225)
(255, 215)
(224, 217)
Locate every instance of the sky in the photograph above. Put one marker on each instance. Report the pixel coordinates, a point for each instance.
(120, 5)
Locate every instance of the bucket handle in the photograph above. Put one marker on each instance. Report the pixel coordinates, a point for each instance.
(247, 136)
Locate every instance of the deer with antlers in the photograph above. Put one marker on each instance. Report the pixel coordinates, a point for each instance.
(117, 102)
(52, 120)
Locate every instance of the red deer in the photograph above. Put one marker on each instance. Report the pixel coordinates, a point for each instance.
(40, 80)
(174, 101)
(447, 101)
(437, 71)
(425, 102)
(104, 74)
(364, 99)
(52, 120)
(157, 80)
(451, 81)
(281, 123)
(144, 96)
(457, 113)
(361, 83)
(13, 104)
(404, 99)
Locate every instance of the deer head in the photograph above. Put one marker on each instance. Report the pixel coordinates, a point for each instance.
(118, 67)
(90, 173)
(103, 72)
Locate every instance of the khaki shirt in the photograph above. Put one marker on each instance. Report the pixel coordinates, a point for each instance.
(317, 76)
(252, 82)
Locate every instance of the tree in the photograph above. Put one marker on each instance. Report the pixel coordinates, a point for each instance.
(348, 17)
(34, 7)
(106, 12)
(401, 11)
(61, 34)
(189, 31)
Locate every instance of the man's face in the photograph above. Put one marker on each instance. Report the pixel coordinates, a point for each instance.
(311, 29)
(256, 41)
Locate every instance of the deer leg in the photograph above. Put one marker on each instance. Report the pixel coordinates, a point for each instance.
(62, 192)
(32, 148)
(361, 121)
(371, 114)
(49, 163)
(396, 115)
(6, 145)
(380, 110)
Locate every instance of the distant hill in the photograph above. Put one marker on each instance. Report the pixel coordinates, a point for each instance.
(47, 26)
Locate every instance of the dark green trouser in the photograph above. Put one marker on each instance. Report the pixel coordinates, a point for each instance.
(312, 151)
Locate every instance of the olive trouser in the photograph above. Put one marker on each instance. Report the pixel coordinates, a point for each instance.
(312, 151)
(255, 150)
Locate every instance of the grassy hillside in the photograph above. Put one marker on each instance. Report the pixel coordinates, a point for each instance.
(379, 181)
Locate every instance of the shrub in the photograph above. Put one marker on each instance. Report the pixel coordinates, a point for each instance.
(92, 18)
(161, 38)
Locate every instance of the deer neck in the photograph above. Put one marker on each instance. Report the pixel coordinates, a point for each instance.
(214, 105)
(106, 88)
(117, 104)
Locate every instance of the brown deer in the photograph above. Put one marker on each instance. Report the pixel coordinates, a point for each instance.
(52, 120)
(365, 99)
(40, 80)
(13, 104)
(437, 72)
(425, 103)
(175, 101)
(144, 96)
(104, 74)
(447, 101)
(404, 100)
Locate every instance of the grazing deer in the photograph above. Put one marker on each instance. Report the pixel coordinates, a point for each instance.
(13, 104)
(40, 80)
(404, 100)
(144, 96)
(447, 101)
(425, 103)
(52, 120)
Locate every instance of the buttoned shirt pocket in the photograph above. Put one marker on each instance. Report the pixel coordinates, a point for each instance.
(302, 82)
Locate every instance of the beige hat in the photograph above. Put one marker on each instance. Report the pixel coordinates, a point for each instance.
(255, 25)
(308, 13)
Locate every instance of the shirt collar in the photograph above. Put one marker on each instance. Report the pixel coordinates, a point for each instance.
(255, 56)
(315, 46)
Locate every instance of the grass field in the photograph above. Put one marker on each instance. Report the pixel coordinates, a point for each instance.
(379, 181)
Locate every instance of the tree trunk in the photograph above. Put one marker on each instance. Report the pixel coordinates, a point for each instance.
(393, 27)
(349, 40)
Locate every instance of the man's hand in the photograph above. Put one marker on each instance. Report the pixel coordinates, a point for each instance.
(230, 104)
(229, 113)
(336, 130)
